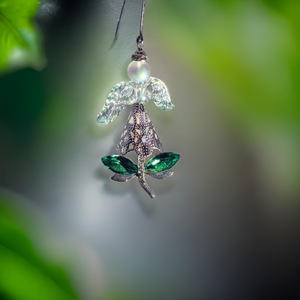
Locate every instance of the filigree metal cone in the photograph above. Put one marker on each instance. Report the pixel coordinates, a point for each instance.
(139, 133)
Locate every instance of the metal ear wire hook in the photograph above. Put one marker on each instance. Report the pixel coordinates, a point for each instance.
(140, 38)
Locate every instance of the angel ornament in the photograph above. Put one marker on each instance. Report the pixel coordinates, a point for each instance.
(139, 134)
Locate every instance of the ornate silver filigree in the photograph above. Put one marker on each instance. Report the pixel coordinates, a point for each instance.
(141, 177)
(139, 133)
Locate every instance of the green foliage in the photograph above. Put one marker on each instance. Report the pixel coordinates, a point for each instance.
(119, 164)
(19, 40)
(22, 100)
(23, 274)
(248, 49)
(162, 162)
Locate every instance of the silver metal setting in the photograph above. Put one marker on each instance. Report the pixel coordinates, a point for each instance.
(122, 178)
(161, 175)
(139, 134)
(139, 56)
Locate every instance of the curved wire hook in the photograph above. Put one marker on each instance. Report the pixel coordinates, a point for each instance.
(140, 38)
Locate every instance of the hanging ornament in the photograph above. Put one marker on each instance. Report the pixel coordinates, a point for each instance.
(139, 134)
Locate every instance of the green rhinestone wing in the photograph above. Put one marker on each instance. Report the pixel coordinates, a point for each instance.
(119, 164)
(162, 162)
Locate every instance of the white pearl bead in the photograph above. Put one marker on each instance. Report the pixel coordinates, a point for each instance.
(138, 71)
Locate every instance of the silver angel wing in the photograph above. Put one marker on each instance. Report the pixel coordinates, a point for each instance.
(127, 93)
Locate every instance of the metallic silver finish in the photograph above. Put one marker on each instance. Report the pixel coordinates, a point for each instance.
(140, 39)
(139, 56)
(140, 44)
(141, 177)
(161, 175)
(139, 134)
(122, 178)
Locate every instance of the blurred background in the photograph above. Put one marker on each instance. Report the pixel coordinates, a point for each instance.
(225, 226)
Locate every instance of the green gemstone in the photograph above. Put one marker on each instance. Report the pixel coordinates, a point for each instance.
(119, 164)
(162, 162)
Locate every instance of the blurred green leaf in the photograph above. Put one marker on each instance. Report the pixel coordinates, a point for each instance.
(22, 102)
(23, 274)
(19, 40)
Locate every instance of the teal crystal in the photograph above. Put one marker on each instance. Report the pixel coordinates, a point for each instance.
(128, 93)
(162, 162)
(119, 164)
